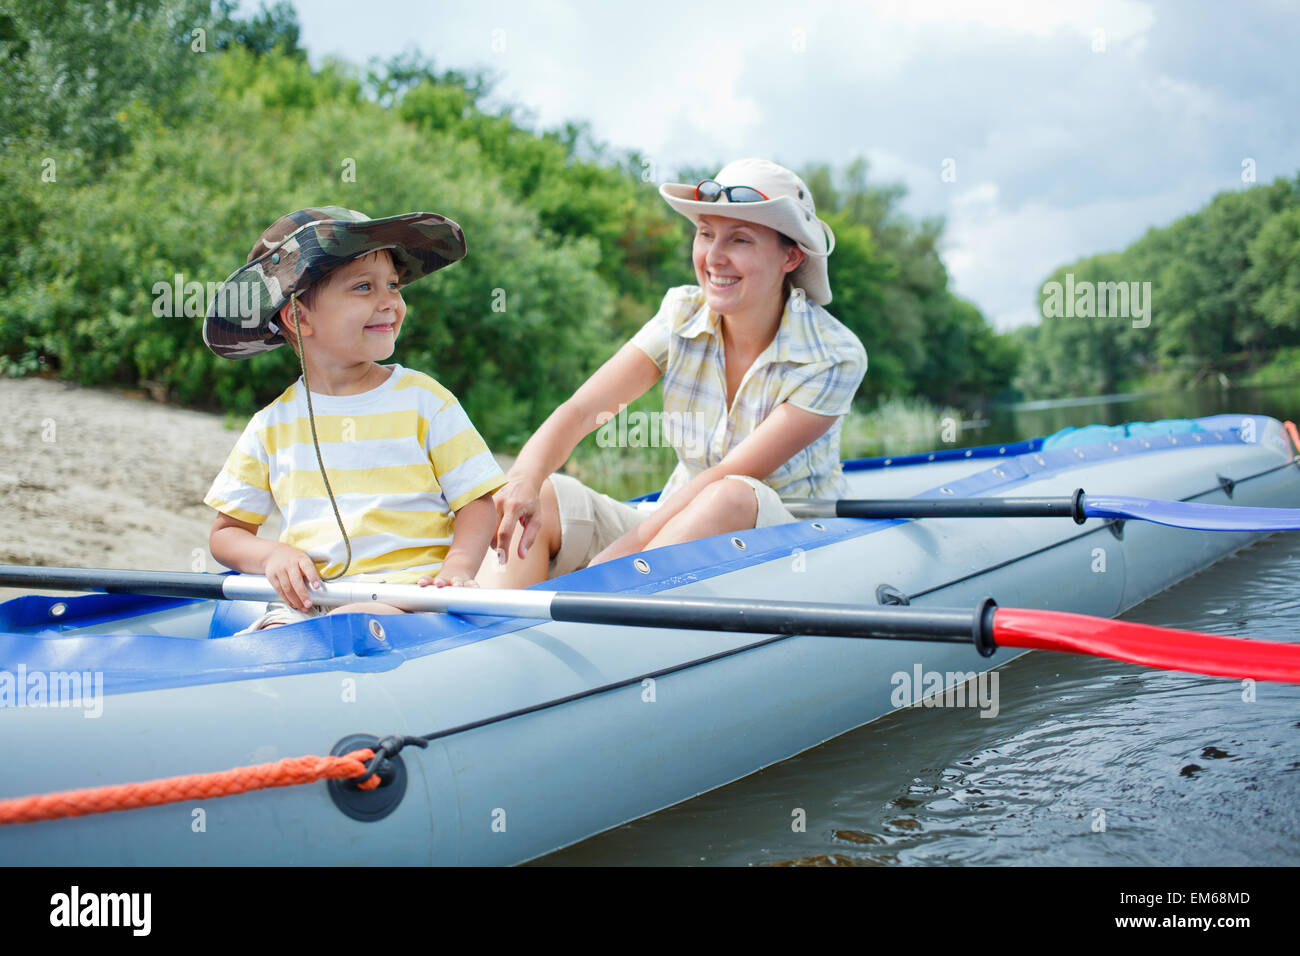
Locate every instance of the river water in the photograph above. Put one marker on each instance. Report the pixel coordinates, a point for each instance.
(1088, 762)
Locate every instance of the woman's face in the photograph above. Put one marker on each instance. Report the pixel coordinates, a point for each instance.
(741, 265)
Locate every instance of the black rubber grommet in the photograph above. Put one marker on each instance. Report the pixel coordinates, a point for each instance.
(1076, 507)
(983, 630)
(890, 595)
(368, 805)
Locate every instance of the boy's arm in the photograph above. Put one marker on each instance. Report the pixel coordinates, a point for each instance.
(475, 524)
(236, 545)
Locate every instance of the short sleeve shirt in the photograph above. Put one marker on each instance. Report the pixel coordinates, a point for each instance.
(402, 459)
(814, 363)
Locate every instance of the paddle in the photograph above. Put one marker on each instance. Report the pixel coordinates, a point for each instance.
(1080, 507)
(987, 626)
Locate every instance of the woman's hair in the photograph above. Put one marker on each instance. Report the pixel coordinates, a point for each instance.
(787, 287)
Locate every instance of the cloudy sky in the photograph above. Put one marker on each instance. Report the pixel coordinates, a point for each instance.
(1071, 126)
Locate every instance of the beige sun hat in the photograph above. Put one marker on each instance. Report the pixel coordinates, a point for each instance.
(789, 210)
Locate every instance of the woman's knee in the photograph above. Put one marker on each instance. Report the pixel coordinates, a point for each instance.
(730, 500)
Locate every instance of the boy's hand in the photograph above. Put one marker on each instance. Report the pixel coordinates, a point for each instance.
(293, 575)
(455, 572)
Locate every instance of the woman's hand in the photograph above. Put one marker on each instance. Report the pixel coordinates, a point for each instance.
(293, 575)
(518, 502)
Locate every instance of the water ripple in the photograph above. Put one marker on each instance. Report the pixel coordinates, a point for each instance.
(1089, 762)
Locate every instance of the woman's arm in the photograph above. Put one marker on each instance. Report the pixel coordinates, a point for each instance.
(783, 434)
(623, 379)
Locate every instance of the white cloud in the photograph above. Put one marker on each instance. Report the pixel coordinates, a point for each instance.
(1060, 151)
(1121, 19)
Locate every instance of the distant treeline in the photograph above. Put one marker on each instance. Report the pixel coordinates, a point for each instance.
(1212, 298)
(148, 142)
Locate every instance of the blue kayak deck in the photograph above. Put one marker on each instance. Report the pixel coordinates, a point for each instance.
(93, 633)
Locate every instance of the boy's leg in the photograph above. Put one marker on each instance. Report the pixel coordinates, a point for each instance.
(367, 607)
(533, 567)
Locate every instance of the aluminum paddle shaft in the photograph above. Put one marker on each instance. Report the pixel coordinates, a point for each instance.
(952, 625)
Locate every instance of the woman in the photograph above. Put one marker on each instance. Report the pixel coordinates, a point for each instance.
(758, 371)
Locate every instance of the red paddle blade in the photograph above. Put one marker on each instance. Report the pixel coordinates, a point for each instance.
(1144, 644)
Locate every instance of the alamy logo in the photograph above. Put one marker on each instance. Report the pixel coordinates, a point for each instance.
(24, 688)
(1102, 300)
(950, 689)
(241, 301)
(75, 908)
(687, 431)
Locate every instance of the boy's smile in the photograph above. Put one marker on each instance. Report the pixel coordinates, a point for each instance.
(357, 314)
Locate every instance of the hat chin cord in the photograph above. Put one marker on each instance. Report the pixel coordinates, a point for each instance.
(320, 462)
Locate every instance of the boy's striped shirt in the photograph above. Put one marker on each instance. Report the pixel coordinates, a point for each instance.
(402, 458)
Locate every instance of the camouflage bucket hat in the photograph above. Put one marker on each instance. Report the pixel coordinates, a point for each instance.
(302, 247)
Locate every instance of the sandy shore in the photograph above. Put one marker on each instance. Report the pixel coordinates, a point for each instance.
(96, 479)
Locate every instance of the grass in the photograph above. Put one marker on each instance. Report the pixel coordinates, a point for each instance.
(896, 426)
(899, 426)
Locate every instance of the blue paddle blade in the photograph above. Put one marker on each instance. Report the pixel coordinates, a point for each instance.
(1188, 514)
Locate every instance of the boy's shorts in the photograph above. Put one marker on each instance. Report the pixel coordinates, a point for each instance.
(590, 521)
(277, 613)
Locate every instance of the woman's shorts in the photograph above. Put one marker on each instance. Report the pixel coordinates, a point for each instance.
(590, 522)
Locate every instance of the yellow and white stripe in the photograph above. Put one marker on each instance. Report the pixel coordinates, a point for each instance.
(402, 459)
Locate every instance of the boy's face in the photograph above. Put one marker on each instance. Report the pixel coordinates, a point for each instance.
(358, 313)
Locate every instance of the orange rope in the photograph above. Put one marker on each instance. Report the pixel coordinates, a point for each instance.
(195, 786)
(1295, 438)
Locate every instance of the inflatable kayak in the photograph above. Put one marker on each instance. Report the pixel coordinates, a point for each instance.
(543, 733)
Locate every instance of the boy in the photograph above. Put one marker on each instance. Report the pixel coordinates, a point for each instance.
(371, 466)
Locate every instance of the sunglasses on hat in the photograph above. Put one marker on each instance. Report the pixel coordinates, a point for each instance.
(710, 191)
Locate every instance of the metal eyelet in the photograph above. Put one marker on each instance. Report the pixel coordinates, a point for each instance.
(945, 491)
(889, 461)
(738, 543)
(1002, 450)
(818, 526)
(377, 630)
(642, 565)
(58, 609)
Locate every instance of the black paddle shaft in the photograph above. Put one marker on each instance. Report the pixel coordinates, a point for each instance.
(947, 625)
(1071, 507)
(113, 581)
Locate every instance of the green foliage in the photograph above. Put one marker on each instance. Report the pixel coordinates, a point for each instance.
(1224, 297)
(891, 289)
(897, 426)
(1273, 277)
(171, 161)
(186, 207)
